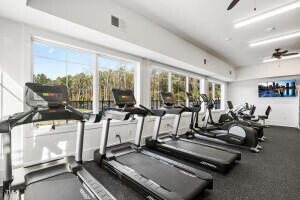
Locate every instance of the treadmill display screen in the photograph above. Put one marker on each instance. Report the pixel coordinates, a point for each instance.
(40, 95)
(230, 105)
(123, 97)
(190, 97)
(168, 98)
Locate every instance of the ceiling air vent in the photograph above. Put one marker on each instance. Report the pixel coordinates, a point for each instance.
(115, 21)
(204, 61)
(118, 23)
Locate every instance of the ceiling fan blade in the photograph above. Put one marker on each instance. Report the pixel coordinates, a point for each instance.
(284, 52)
(290, 54)
(232, 4)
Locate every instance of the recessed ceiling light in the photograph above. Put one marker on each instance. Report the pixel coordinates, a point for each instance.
(277, 11)
(283, 58)
(228, 39)
(275, 39)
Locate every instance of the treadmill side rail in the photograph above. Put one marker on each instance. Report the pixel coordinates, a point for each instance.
(201, 174)
(153, 188)
(98, 189)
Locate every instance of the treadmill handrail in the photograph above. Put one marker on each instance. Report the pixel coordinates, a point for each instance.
(158, 112)
(8, 122)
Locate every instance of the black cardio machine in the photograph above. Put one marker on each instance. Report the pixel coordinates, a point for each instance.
(230, 133)
(60, 179)
(251, 116)
(154, 176)
(236, 116)
(215, 158)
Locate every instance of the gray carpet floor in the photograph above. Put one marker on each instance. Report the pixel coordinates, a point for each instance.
(272, 174)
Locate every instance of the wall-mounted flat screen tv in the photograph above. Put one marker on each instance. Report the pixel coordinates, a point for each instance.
(277, 89)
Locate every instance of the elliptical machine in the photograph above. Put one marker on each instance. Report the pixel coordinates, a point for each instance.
(232, 115)
(230, 133)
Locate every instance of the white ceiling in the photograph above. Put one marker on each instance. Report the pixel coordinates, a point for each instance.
(206, 24)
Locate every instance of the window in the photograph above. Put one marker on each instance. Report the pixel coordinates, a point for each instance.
(179, 88)
(215, 92)
(194, 87)
(217, 96)
(159, 83)
(210, 90)
(114, 73)
(56, 65)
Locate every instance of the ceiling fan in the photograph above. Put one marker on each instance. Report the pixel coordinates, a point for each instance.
(279, 54)
(232, 4)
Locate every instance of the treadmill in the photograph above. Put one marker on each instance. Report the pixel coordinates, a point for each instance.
(63, 178)
(209, 156)
(154, 176)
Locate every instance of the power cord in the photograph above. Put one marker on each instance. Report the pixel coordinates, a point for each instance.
(120, 139)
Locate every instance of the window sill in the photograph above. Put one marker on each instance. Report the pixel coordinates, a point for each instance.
(219, 110)
(43, 131)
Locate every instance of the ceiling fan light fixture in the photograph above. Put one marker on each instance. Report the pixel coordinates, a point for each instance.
(275, 39)
(283, 58)
(268, 14)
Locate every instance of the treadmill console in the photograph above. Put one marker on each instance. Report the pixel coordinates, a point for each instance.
(230, 105)
(168, 98)
(46, 96)
(190, 96)
(123, 97)
(204, 97)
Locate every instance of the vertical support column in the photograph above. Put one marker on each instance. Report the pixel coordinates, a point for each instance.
(139, 131)
(95, 85)
(187, 90)
(213, 91)
(137, 80)
(204, 90)
(142, 82)
(169, 82)
(104, 137)
(7, 160)
(79, 141)
(156, 128)
(176, 124)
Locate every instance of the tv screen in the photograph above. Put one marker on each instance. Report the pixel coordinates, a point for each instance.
(277, 89)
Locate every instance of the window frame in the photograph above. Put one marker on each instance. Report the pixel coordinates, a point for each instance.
(187, 75)
(121, 60)
(64, 128)
(222, 98)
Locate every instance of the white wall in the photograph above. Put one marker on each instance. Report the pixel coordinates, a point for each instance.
(271, 69)
(285, 110)
(15, 69)
(140, 31)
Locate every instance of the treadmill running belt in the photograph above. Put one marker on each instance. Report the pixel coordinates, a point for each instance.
(207, 152)
(63, 187)
(163, 174)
